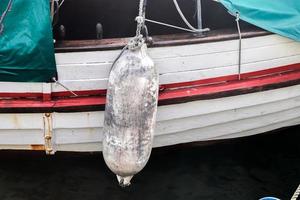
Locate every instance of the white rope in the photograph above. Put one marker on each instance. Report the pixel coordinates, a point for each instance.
(65, 87)
(190, 27)
(61, 3)
(176, 27)
(296, 194)
(58, 5)
(184, 18)
(140, 19)
(141, 5)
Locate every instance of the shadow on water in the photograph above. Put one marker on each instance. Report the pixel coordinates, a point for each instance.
(242, 169)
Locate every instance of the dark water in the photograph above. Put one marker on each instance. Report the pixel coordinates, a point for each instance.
(241, 169)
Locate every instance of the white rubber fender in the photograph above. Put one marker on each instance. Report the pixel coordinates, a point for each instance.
(130, 114)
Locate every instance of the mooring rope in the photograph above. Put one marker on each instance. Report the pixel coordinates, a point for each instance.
(9, 6)
(296, 194)
(137, 41)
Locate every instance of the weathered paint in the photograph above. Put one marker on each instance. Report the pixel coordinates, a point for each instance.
(209, 81)
(272, 80)
(37, 147)
(130, 114)
(214, 119)
(87, 73)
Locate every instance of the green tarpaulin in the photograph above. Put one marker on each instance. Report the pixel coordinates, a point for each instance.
(277, 16)
(26, 42)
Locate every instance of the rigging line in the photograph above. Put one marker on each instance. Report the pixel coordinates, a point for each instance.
(65, 87)
(190, 27)
(240, 43)
(184, 18)
(140, 18)
(58, 5)
(177, 27)
(61, 3)
(296, 194)
(9, 6)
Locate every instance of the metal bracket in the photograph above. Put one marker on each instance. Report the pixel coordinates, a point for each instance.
(48, 134)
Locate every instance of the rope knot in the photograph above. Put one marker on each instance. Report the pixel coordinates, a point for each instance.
(140, 19)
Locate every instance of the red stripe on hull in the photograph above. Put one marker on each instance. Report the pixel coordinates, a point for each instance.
(229, 78)
(249, 75)
(277, 79)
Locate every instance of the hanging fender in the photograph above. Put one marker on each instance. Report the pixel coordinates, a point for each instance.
(130, 113)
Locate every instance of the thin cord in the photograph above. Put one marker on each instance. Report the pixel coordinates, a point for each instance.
(240, 44)
(4, 14)
(59, 83)
(58, 6)
(177, 27)
(191, 28)
(296, 194)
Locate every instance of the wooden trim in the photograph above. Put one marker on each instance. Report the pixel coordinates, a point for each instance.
(167, 96)
(158, 41)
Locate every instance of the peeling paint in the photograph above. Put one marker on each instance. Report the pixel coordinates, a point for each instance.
(37, 147)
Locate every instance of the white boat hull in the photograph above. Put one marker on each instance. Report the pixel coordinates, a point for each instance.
(203, 120)
(198, 120)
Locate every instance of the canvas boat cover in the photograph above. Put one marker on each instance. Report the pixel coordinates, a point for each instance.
(26, 41)
(277, 16)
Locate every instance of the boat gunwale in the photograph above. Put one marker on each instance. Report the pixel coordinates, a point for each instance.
(157, 41)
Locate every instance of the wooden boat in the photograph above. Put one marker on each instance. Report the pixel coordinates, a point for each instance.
(203, 96)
